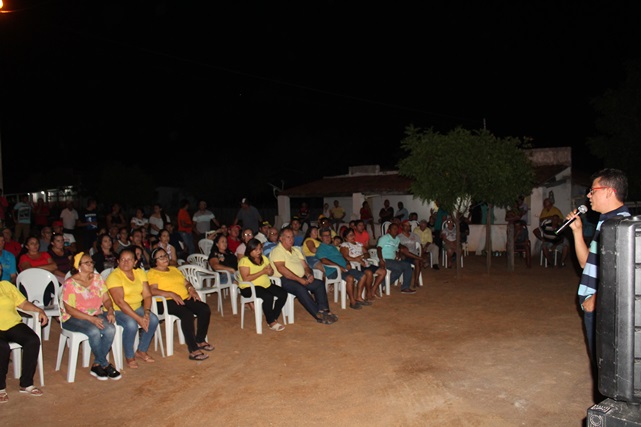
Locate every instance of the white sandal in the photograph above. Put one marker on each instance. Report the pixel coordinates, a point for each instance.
(31, 390)
(4, 397)
(277, 327)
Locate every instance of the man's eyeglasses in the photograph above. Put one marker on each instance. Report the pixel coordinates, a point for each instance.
(593, 189)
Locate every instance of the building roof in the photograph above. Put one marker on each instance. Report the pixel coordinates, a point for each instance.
(386, 183)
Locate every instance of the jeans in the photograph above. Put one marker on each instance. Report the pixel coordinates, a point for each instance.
(589, 322)
(317, 288)
(131, 329)
(188, 238)
(100, 340)
(27, 338)
(398, 269)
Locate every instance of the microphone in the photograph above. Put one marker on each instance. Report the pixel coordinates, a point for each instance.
(580, 210)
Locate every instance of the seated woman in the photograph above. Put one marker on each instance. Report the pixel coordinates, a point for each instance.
(13, 329)
(182, 301)
(222, 259)
(61, 256)
(33, 258)
(87, 308)
(254, 267)
(163, 242)
(105, 257)
(310, 246)
(354, 252)
(131, 296)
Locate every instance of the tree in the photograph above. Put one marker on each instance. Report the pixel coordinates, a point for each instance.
(619, 127)
(464, 165)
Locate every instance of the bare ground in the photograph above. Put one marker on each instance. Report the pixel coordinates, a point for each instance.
(504, 349)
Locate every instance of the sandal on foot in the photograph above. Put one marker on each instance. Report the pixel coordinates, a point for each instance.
(324, 319)
(31, 390)
(364, 302)
(198, 355)
(206, 346)
(277, 327)
(356, 306)
(144, 356)
(4, 397)
(131, 363)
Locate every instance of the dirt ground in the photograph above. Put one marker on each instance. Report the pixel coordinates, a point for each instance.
(504, 349)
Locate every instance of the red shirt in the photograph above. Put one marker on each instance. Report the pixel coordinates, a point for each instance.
(13, 247)
(362, 238)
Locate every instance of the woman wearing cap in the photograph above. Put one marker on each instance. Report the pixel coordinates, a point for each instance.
(182, 301)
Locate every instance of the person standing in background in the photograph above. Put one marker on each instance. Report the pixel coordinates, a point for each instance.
(368, 218)
(386, 213)
(157, 220)
(186, 227)
(204, 218)
(23, 219)
(248, 216)
(41, 214)
(69, 217)
(88, 222)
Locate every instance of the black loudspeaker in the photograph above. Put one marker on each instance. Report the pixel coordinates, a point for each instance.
(611, 413)
(618, 318)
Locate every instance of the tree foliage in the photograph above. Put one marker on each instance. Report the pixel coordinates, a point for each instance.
(619, 126)
(465, 165)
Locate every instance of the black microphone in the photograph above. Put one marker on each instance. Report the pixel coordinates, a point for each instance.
(580, 210)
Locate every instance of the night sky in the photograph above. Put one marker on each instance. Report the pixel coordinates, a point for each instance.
(317, 86)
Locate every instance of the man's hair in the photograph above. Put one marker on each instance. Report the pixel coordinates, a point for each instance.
(614, 178)
(325, 230)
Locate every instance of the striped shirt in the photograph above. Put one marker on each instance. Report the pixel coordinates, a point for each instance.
(590, 276)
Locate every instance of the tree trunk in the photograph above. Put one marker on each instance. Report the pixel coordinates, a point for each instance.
(510, 246)
(488, 238)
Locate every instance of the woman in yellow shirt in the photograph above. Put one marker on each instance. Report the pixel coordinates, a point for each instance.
(182, 301)
(13, 329)
(131, 296)
(255, 267)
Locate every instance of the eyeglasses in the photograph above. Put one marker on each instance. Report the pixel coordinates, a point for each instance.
(273, 232)
(126, 260)
(247, 234)
(593, 189)
(88, 263)
(162, 257)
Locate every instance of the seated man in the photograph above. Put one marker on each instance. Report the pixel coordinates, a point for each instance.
(427, 242)
(389, 257)
(298, 279)
(550, 242)
(410, 244)
(333, 260)
(448, 237)
(337, 215)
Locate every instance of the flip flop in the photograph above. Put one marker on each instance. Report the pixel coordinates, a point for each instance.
(206, 346)
(132, 364)
(31, 390)
(145, 357)
(199, 356)
(277, 327)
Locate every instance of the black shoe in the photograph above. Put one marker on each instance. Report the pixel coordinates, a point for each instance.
(99, 372)
(112, 373)
(435, 266)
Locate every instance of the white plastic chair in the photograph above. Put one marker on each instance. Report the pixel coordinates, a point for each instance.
(205, 245)
(169, 320)
(258, 305)
(544, 259)
(384, 227)
(16, 349)
(73, 340)
(35, 282)
(444, 257)
(340, 286)
(224, 289)
(373, 257)
(288, 308)
(198, 276)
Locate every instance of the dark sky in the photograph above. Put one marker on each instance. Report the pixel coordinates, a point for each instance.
(318, 86)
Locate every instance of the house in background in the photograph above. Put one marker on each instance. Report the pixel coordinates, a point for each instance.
(553, 177)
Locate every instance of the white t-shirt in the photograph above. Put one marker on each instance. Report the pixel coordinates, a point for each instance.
(69, 218)
(203, 220)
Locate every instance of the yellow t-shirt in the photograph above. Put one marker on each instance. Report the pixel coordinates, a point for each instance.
(425, 235)
(132, 289)
(306, 250)
(293, 260)
(169, 281)
(10, 298)
(262, 281)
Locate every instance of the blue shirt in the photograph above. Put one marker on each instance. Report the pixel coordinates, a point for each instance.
(8, 261)
(389, 245)
(332, 253)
